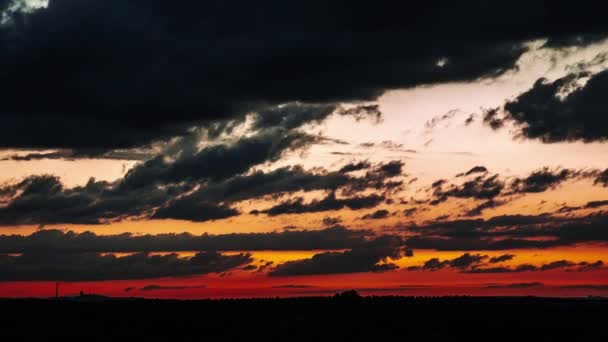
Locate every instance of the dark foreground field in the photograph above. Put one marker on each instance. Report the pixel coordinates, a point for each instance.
(375, 317)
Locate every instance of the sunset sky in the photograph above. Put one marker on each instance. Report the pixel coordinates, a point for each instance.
(252, 149)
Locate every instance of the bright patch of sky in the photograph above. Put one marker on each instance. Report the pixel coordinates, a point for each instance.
(21, 6)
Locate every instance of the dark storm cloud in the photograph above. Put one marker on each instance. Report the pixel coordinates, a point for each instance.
(513, 220)
(87, 242)
(367, 145)
(476, 211)
(492, 118)
(441, 218)
(464, 227)
(467, 260)
(290, 180)
(587, 266)
(361, 112)
(472, 243)
(588, 205)
(438, 183)
(542, 180)
(180, 168)
(470, 119)
(292, 115)
(82, 154)
(602, 178)
(330, 202)
(410, 212)
(556, 264)
(144, 192)
(94, 266)
(565, 265)
(476, 169)
(496, 191)
(273, 183)
(365, 258)
(501, 258)
(596, 204)
(391, 169)
(408, 252)
(509, 232)
(362, 165)
(196, 212)
(265, 266)
(331, 221)
(120, 74)
(44, 200)
(541, 113)
(376, 215)
(462, 262)
(476, 263)
(273, 124)
(484, 187)
(431, 265)
(378, 178)
(218, 161)
(430, 125)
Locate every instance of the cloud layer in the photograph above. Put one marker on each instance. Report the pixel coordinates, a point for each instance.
(147, 70)
(94, 266)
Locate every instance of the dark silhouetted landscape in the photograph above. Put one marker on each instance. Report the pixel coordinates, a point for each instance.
(346, 316)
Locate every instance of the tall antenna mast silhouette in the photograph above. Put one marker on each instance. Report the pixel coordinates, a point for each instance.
(57, 290)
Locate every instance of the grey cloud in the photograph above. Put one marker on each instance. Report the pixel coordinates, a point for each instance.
(363, 165)
(365, 258)
(94, 266)
(196, 212)
(331, 221)
(330, 202)
(514, 231)
(541, 113)
(44, 200)
(219, 161)
(87, 242)
(377, 215)
(476, 263)
(216, 61)
(501, 258)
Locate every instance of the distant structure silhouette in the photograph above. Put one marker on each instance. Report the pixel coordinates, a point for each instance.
(57, 290)
(351, 295)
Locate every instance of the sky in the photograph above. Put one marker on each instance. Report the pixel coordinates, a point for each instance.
(235, 149)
